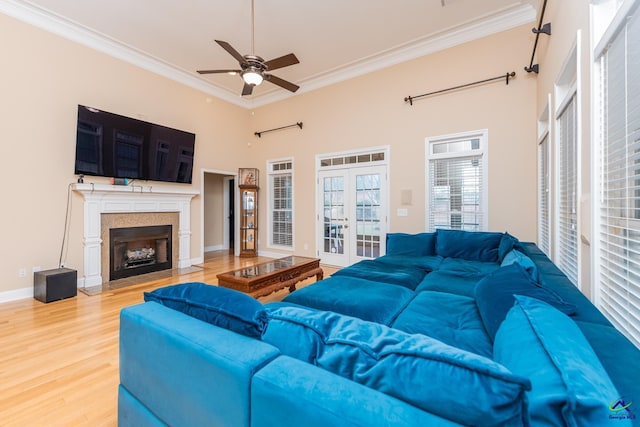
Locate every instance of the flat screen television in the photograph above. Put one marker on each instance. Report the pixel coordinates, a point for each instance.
(116, 146)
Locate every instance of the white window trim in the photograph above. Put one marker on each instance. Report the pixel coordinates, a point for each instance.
(567, 85)
(270, 244)
(483, 135)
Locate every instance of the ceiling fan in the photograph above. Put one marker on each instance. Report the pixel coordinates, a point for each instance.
(254, 69)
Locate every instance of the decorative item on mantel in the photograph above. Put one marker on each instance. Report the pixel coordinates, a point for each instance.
(248, 184)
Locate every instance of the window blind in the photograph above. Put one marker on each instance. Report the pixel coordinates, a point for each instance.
(619, 206)
(544, 235)
(567, 239)
(281, 181)
(456, 186)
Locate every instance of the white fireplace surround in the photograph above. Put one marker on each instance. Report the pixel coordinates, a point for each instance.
(104, 198)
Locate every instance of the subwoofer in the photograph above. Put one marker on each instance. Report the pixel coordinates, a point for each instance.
(54, 285)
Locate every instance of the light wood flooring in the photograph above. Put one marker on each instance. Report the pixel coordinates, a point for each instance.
(59, 361)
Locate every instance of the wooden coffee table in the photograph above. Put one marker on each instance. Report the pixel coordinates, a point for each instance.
(262, 279)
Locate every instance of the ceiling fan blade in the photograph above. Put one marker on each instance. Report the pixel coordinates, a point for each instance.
(226, 46)
(282, 83)
(283, 61)
(247, 89)
(218, 71)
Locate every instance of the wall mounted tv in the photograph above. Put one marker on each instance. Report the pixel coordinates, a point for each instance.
(115, 146)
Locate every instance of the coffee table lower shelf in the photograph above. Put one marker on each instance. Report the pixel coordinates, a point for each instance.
(268, 277)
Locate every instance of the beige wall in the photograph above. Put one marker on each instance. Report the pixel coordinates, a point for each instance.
(369, 111)
(42, 80)
(568, 18)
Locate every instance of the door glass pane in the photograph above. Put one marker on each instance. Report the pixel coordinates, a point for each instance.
(334, 217)
(368, 215)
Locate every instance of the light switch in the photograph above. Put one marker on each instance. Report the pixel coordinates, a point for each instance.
(403, 212)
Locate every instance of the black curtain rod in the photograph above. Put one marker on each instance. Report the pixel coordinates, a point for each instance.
(506, 76)
(259, 134)
(544, 29)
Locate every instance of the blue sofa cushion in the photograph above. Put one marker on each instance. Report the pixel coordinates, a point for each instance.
(222, 307)
(415, 368)
(364, 299)
(569, 385)
(495, 295)
(419, 244)
(469, 245)
(395, 274)
(465, 267)
(517, 257)
(452, 319)
(426, 262)
(452, 282)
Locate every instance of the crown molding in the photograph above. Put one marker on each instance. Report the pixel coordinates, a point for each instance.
(481, 27)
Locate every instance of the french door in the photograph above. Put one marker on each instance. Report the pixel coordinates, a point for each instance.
(352, 222)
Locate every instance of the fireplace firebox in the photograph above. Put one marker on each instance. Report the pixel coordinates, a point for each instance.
(139, 250)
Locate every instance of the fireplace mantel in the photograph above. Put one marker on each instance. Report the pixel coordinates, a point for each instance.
(104, 198)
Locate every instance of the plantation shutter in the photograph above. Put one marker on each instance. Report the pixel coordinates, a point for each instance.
(619, 228)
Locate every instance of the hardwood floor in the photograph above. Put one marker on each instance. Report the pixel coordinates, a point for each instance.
(59, 361)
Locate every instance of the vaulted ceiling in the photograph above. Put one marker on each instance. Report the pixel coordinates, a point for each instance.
(333, 39)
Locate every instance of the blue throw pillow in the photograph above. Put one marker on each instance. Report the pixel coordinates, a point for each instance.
(515, 256)
(420, 244)
(444, 380)
(495, 295)
(507, 242)
(222, 307)
(569, 385)
(469, 245)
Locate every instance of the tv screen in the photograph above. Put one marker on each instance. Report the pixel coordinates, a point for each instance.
(116, 146)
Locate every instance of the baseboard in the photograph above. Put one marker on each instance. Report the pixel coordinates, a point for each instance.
(214, 248)
(16, 294)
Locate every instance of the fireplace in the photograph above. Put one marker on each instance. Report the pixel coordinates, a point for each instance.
(139, 250)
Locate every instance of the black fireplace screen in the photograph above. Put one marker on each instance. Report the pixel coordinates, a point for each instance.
(139, 250)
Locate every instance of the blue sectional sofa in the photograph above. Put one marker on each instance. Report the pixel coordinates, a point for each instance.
(449, 328)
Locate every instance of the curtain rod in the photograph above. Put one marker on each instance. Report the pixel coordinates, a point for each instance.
(506, 76)
(542, 29)
(259, 134)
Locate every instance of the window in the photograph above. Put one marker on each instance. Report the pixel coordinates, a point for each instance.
(544, 238)
(544, 183)
(281, 203)
(567, 185)
(617, 249)
(457, 182)
(567, 244)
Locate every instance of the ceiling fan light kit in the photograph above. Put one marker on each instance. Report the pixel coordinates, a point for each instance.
(253, 69)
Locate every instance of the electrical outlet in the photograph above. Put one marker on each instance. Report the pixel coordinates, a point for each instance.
(22, 272)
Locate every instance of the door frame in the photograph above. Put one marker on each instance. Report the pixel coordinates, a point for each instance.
(226, 174)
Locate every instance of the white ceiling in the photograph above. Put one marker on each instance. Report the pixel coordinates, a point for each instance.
(333, 39)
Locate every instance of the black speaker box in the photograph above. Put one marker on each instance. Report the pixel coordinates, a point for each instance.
(54, 285)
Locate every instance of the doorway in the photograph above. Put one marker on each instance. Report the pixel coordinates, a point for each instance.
(218, 210)
(353, 214)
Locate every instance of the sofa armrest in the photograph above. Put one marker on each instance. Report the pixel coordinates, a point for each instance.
(185, 371)
(290, 392)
